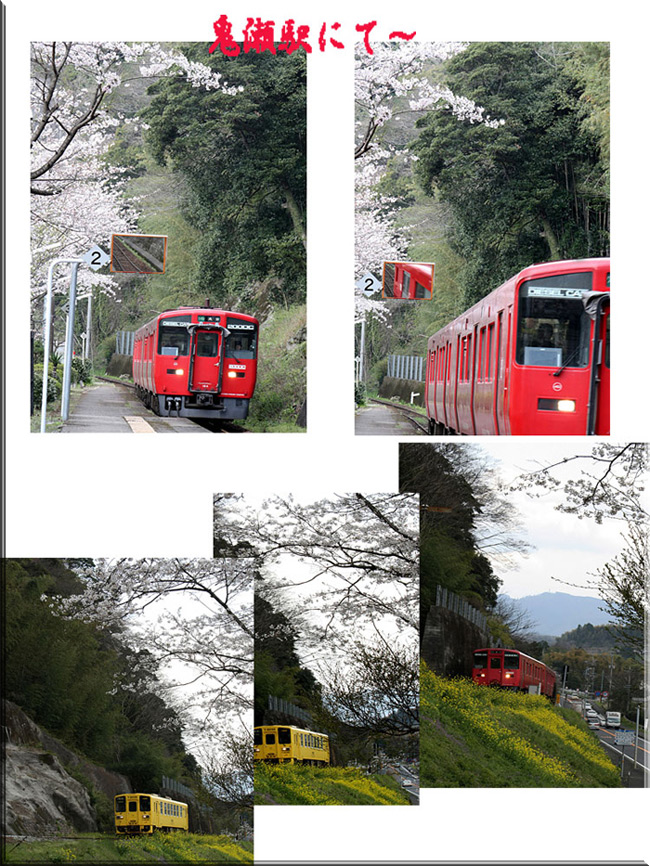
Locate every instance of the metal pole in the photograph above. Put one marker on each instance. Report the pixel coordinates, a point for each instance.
(362, 345)
(622, 758)
(88, 321)
(48, 330)
(69, 339)
(46, 341)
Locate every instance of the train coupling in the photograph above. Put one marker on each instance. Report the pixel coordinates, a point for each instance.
(174, 403)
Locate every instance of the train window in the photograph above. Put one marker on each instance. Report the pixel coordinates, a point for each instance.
(173, 337)
(257, 737)
(242, 341)
(207, 344)
(284, 735)
(145, 803)
(495, 662)
(270, 739)
(406, 282)
(553, 328)
(133, 805)
(488, 360)
(480, 660)
(511, 661)
(120, 804)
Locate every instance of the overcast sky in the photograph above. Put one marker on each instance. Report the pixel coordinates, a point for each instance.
(566, 547)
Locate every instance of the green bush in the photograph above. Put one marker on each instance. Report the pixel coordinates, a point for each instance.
(360, 394)
(53, 386)
(81, 371)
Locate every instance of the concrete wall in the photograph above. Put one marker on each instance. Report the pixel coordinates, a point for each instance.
(448, 642)
(402, 388)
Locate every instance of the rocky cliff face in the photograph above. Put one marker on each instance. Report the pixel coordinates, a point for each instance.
(42, 798)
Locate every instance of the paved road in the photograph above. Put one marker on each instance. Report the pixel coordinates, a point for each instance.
(109, 408)
(633, 777)
(377, 420)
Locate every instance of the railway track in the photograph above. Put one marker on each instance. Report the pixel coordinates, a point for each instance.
(206, 423)
(411, 415)
(131, 259)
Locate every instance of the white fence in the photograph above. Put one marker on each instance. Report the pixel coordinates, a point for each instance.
(406, 367)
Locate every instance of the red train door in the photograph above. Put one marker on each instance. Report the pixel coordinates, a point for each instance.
(502, 424)
(498, 350)
(600, 375)
(206, 360)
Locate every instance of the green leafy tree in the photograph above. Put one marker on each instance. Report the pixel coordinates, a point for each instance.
(243, 157)
(523, 191)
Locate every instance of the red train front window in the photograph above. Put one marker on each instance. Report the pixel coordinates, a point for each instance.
(173, 336)
(241, 344)
(495, 662)
(511, 661)
(553, 329)
(480, 660)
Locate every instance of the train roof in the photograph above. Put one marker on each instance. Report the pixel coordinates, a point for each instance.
(294, 727)
(207, 310)
(147, 794)
(503, 649)
(541, 269)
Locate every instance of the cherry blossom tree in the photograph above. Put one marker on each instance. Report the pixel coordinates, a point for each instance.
(383, 81)
(78, 198)
(610, 484)
(194, 616)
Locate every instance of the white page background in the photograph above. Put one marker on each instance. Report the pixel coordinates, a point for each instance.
(76, 495)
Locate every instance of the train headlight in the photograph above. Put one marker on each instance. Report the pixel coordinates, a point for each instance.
(179, 372)
(550, 405)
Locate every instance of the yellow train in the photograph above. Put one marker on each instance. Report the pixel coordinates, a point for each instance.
(144, 813)
(284, 744)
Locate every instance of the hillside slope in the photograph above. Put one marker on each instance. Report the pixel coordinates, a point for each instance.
(473, 736)
(326, 786)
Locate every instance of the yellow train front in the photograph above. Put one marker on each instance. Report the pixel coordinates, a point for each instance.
(284, 744)
(136, 814)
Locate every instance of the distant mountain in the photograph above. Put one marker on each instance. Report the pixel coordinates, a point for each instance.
(557, 612)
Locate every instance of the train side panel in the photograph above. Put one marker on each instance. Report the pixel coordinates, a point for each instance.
(484, 375)
(141, 814)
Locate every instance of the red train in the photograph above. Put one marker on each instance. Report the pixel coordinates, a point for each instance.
(197, 362)
(514, 670)
(532, 357)
(411, 280)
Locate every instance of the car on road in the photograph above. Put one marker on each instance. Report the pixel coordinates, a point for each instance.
(593, 724)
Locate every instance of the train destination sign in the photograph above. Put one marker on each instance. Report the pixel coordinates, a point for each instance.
(552, 292)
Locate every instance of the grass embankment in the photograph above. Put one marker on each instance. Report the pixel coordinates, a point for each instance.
(473, 736)
(292, 784)
(281, 372)
(160, 848)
